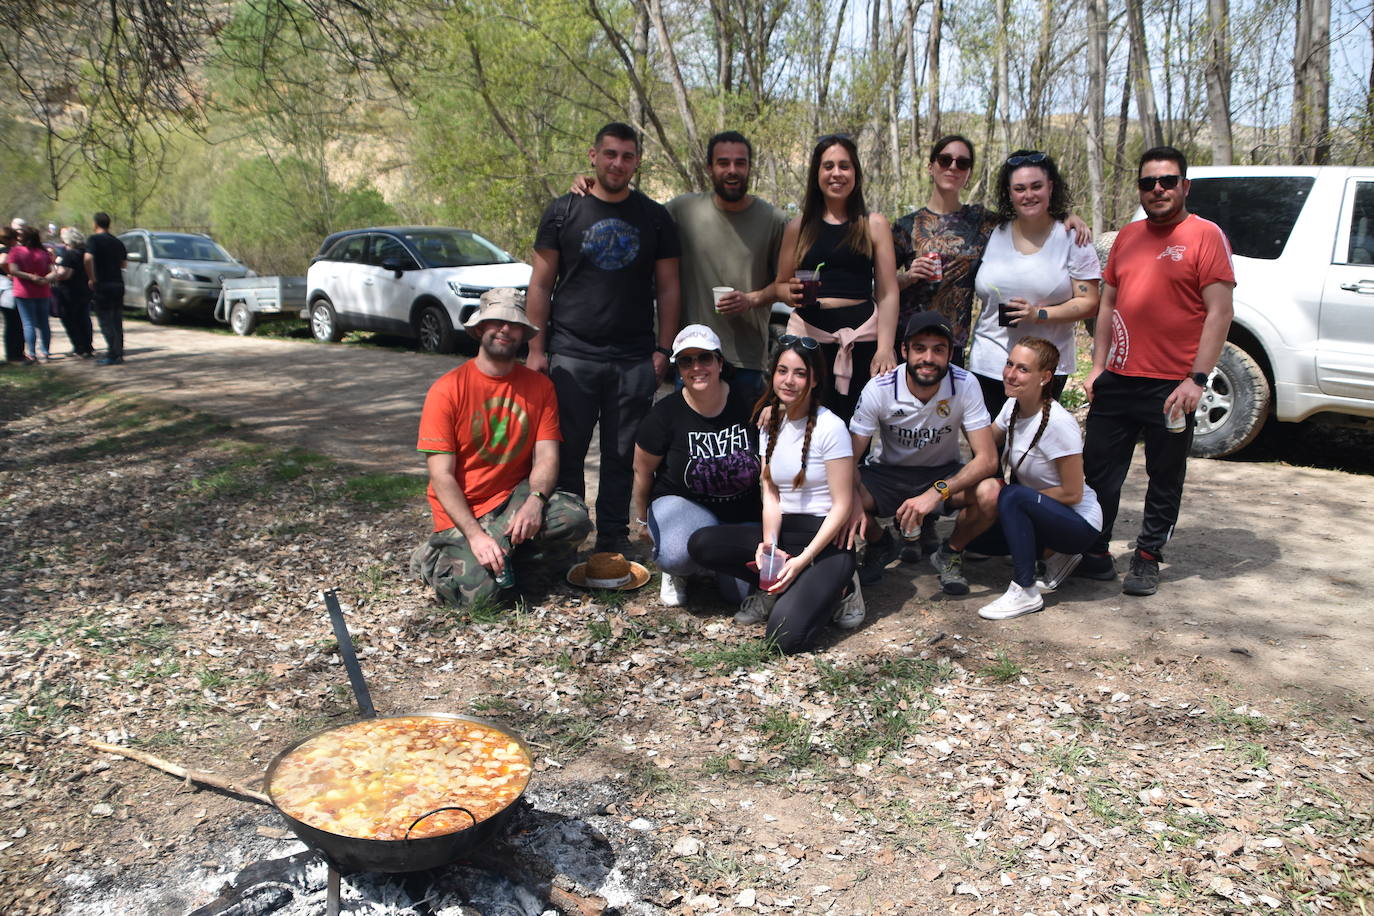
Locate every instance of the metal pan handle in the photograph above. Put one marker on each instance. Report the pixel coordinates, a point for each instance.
(436, 811)
(350, 658)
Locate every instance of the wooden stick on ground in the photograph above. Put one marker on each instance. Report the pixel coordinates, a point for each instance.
(181, 772)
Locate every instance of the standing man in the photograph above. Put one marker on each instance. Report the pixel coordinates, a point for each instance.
(1165, 312)
(105, 259)
(730, 238)
(913, 470)
(600, 262)
(489, 432)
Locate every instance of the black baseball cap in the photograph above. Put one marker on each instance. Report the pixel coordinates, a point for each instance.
(929, 321)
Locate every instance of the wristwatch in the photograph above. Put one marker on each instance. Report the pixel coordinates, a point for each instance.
(942, 487)
(540, 496)
(1200, 379)
(1043, 314)
(665, 351)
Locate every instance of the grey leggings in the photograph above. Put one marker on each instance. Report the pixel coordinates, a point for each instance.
(672, 520)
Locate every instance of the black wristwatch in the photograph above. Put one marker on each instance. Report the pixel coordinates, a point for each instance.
(1200, 379)
(1043, 315)
(665, 351)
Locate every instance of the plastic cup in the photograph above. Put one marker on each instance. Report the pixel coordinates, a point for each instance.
(770, 567)
(1175, 421)
(720, 292)
(811, 288)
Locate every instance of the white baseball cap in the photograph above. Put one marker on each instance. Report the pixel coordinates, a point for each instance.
(695, 337)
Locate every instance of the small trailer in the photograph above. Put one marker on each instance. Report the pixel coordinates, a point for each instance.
(244, 302)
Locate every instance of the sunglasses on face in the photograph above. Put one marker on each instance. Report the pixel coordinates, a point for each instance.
(1028, 159)
(961, 163)
(1167, 182)
(687, 360)
(806, 343)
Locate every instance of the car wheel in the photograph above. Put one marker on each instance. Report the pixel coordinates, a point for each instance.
(157, 310)
(242, 319)
(1233, 407)
(435, 330)
(324, 324)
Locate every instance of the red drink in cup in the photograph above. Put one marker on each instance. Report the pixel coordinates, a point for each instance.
(811, 288)
(770, 567)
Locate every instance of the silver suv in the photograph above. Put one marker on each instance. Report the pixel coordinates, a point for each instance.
(1302, 342)
(175, 272)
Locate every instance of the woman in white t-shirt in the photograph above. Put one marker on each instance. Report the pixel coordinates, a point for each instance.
(1045, 281)
(808, 487)
(1046, 504)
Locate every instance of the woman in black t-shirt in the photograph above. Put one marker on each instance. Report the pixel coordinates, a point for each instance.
(696, 464)
(74, 292)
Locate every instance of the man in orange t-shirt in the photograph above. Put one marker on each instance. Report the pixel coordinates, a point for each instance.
(1165, 311)
(489, 431)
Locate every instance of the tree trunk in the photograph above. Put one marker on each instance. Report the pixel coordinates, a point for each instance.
(1002, 48)
(640, 52)
(1311, 82)
(937, 24)
(1042, 69)
(913, 79)
(1219, 81)
(1146, 112)
(1097, 104)
(684, 101)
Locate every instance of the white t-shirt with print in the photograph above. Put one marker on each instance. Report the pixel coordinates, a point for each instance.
(1038, 471)
(905, 431)
(829, 440)
(1043, 278)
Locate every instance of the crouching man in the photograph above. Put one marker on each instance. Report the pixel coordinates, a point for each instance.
(489, 431)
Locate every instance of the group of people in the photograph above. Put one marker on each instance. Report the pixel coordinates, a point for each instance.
(767, 470)
(65, 279)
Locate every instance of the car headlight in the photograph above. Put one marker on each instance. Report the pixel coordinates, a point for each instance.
(180, 273)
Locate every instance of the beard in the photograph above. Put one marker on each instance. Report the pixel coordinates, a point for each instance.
(939, 371)
(731, 194)
(499, 349)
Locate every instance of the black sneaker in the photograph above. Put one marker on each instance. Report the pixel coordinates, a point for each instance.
(877, 555)
(1143, 579)
(950, 565)
(1097, 566)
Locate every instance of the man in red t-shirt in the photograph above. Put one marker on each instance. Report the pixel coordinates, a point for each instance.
(1165, 311)
(489, 431)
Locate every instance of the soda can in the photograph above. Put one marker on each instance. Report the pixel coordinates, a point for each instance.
(506, 577)
(937, 264)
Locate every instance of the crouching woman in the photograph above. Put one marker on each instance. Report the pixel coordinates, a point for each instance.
(1047, 508)
(808, 489)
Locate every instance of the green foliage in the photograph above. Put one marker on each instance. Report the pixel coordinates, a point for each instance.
(385, 489)
(22, 190)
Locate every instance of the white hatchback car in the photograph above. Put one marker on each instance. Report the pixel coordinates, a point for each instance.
(420, 282)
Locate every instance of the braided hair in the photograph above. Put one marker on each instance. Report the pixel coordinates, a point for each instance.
(777, 411)
(1046, 358)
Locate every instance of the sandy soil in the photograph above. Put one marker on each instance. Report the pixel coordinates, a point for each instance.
(1264, 577)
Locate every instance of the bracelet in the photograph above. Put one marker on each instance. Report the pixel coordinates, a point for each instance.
(665, 351)
(542, 498)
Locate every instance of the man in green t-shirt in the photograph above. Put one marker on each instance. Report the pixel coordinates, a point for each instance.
(730, 238)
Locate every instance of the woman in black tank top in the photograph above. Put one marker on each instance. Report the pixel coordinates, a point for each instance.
(857, 272)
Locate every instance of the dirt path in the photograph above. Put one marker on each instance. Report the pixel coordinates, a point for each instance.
(1269, 576)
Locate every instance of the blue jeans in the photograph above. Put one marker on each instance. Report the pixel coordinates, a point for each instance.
(34, 315)
(672, 520)
(1028, 521)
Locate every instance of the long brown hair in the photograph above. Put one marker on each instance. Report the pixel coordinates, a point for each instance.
(813, 204)
(815, 367)
(1046, 359)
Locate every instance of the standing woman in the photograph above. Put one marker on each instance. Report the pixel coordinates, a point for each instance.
(75, 292)
(808, 488)
(853, 314)
(14, 329)
(1034, 280)
(956, 234)
(696, 463)
(30, 267)
(1046, 505)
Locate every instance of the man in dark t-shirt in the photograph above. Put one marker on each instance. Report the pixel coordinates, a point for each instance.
(600, 263)
(104, 261)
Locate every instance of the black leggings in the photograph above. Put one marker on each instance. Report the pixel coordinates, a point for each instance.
(804, 609)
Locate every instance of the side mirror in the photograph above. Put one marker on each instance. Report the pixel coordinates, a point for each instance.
(395, 265)
(136, 256)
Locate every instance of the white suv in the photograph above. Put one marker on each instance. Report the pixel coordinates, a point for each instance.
(420, 282)
(1302, 341)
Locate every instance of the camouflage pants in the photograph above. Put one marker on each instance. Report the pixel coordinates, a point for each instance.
(448, 565)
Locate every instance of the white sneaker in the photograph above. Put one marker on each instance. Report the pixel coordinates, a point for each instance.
(756, 608)
(673, 591)
(851, 610)
(1014, 603)
(1057, 569)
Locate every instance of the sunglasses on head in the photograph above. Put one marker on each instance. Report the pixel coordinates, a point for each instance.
(1167, 182)
(962, 163)
(1027, 159)
(687, 360)
(806, 343)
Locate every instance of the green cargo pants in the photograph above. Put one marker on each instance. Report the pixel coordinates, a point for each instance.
(446, 564)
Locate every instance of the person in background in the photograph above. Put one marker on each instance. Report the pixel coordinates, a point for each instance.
(31, 269)
(696, 463)
(14, 327)
(600, 264)
(105, 260)
(75, 292)
(853, 313)
(1034, 272)
(808, 490)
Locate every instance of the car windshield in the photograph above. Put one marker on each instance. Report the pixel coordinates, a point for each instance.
(450, 248)
(187, 248)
